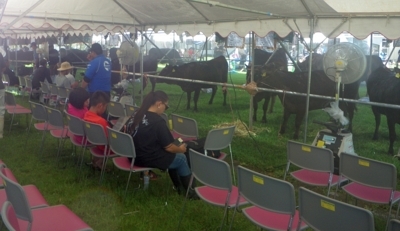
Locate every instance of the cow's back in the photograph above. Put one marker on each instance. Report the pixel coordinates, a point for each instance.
(383, 87)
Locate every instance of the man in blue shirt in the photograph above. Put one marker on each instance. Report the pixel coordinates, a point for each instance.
(98, 72)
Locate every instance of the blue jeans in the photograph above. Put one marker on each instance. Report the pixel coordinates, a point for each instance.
(180, 164)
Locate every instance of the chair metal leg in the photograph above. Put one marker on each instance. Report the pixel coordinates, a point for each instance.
(12, 120)
(232, 166)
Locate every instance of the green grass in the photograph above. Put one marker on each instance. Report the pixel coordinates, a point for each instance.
(104, 208)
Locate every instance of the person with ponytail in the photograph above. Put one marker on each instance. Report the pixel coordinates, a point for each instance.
(154, 144)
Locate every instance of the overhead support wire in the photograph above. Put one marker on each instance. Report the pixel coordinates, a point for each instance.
(330, 34)
(129, 13)
(197, 10)
(22, 15)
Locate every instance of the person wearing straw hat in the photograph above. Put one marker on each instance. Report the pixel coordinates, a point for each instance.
(65, 78)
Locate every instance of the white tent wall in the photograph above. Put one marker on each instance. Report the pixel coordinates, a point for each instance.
(35, 18)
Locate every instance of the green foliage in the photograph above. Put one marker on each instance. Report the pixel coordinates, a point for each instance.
(103, 206)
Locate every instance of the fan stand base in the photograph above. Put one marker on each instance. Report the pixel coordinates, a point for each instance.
(337, 143)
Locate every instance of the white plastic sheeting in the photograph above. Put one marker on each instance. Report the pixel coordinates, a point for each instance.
(51, 17)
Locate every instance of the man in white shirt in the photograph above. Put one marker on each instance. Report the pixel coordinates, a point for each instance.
(65, 78)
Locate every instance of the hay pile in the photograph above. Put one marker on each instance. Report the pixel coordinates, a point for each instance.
(242, 129)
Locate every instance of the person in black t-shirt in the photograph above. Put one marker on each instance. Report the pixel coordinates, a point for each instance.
(154, 143)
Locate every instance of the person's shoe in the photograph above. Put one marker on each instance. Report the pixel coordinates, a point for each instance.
(153, 175)
(192, 195)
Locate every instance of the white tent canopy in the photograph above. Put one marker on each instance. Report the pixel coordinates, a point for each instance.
(36, 18)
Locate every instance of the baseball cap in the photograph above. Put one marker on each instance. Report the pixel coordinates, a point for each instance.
(96, 48)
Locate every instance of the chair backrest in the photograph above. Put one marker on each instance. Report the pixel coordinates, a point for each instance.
(44, 87)
(95, 133)
(53, 89)
(62, 92)
(368, 171)
(7, 78)
(323, 213)
(22, 81)
(394, 225)
(130, 109)
(310, 157)
(116, 109)
(184, 126)
(10, 99)
(16, 195)
(9, 217)
(55, 117)
(210, 171)
(218, 139)
(266, 192)
(39, 111)
(121, 143)
(28, 82)
(75, 125)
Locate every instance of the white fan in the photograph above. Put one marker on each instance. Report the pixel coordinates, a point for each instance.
(128, 54)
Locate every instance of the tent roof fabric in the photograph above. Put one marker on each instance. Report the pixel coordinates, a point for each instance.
(38, 18)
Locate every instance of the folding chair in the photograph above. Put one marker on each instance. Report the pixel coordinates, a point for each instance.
(60, 131)
(62, 96)
(6, 82)
(53, 95)
(394, 225)
(273, 201)
(184, 127)
(57, 217)
(122, 145)
(130, 109)
(323, 213)
(316, 165)
(13, 108)
(217, 180)
(96, 135)
(115, 109)
(9, 217)
(76, 132)
(370, 180)
(35, 198)
(22, 85)
(28, 86)
(45, 92)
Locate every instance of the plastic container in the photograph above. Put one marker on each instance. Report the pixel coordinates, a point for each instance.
(146, 180)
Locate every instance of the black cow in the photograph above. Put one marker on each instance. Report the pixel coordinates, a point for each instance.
(215, 70)
(383, 86)
(171, 56)
(260, 58)
(320, 85)
(150, 66)
(77, 58)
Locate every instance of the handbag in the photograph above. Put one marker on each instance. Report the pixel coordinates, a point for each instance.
(198, 146)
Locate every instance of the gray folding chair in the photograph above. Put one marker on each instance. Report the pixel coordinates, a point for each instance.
(273, 201)
(394, 225)
(130, 109)
(28, 86)
(53, 94)
(184, 127)
(13, 108)
(45, 92)
(39, 113)
(57, 217)
(323, 213)
(370, 180)
(316, 165)
(22, 85)
(9, 217)
(62, 96)
(96, 135)
(59, 130)
(122, 145)
(217, 180)
(115, 109)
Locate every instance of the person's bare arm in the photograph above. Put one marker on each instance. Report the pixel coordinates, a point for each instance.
(172, 148)
(84, 84)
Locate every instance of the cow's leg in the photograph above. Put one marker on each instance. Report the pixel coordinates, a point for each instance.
(286, 115)
(255, 107)
(351, 107)
(189, 97)
(196, 98)
(153, 83)
(271, 107)
(391, 122)
(297, 123)
(224, 91)
(144, 84)
(214, 90)
(377, 116)
(265, 106)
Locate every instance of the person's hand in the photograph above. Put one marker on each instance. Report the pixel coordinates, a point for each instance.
(183, 147)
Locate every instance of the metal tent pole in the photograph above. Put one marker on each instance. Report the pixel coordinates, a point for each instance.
(253, 46)
(309, 81)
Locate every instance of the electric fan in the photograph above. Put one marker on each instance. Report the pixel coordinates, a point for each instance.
(128, 54)
(343, 63)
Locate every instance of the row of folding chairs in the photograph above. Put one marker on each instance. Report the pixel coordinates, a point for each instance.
(270, 203)
(367, 179)
(25, 208)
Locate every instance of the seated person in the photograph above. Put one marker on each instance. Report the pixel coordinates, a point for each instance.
(154, 144)
(78, 106)
(41, 74)
(65, 79)
(11, 75)
(98, 105)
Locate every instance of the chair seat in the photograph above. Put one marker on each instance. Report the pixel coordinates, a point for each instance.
(218, 196)
(18, 110)
(315, 178)
(12, 106)
(123, 163)
(41, 126)
(78, 140)
(60, 133)
(222, 156)
(184, 138)
(371, 194)
(271, 220)
(57, 217)
(35, 198)
(98, 152)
